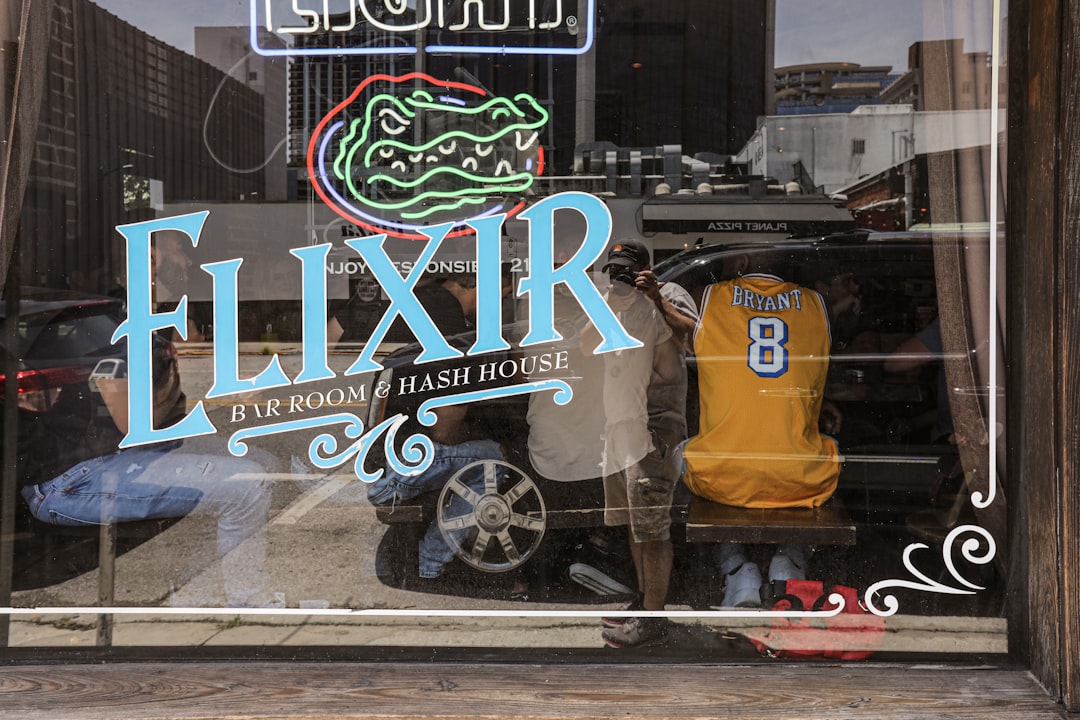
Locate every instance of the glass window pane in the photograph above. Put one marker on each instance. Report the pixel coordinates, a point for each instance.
(527, 324)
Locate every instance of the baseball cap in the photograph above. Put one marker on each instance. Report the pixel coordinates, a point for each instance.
(627, 253)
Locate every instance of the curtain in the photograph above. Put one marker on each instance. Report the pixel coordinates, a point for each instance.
(22, 119)
(967, 248)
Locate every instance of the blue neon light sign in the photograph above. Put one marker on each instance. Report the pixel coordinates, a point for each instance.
(381, 27)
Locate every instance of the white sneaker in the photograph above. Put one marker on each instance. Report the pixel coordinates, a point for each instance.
(596, 580)
(787, 565)
(743, 587)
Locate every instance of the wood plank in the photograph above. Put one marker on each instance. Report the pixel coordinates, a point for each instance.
(825, 525)
(1069, 367)
(1035, 300)
(556, 519)
(318, 691)
(403, 514)
(580, 518)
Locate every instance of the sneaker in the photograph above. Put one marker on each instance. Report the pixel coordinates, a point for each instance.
(784, 566)
(596, 580)
(743, 587)
(637, 632)
(635, 604)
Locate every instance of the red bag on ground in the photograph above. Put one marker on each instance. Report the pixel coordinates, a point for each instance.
(852, 634)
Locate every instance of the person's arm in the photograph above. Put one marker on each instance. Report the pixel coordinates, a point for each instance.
(114, 393)
(681, 324)
(910, 355)
(450, 427)
(831, 418)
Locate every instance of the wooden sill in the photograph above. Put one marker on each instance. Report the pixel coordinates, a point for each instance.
(321, 691)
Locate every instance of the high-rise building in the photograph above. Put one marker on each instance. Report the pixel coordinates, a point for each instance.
(941, 76)
(317, 83)
(128, 123)
(821, 88)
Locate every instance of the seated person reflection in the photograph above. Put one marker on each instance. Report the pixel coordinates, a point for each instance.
(842, 294)
(566, 442)
(450, 302)
(457, 440)
(353, 320)
(457, 443)
(762, 348)
(91, 482)
(922, 349)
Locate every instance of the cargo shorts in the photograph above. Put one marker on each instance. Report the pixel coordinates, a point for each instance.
(640, 496)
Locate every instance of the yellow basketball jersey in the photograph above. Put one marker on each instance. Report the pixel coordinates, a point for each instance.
(762, 348)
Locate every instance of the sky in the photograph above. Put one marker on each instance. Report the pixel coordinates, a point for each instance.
(868, 32)
(875, 32)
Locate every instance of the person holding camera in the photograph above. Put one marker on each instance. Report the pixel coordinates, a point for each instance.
(645, 407)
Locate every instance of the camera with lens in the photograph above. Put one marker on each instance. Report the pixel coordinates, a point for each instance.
(623, 275)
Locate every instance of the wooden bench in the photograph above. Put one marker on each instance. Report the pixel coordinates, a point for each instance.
(408, 522)
(706, 521)
(406, 513)
(829, 524)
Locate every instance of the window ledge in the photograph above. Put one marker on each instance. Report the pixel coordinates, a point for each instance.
(314, 691)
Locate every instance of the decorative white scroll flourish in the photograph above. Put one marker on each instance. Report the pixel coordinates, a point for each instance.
(974, 550)
(416, 456)
(563, 394)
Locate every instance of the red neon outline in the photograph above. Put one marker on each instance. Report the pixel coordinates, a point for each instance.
(315, 136)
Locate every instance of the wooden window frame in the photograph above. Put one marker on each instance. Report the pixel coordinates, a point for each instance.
(1043, 331)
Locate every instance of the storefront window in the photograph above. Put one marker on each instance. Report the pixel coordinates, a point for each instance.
(510, 324)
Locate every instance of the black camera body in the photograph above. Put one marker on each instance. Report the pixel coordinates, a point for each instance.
(624, 275)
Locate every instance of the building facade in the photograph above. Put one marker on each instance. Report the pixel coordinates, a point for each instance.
(829, 87)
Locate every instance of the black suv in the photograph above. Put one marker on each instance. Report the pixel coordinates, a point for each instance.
(61, 337)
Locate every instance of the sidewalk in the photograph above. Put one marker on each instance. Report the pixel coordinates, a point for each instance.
(909, 634)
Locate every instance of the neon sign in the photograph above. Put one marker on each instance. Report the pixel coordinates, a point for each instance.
(402, 153)
(379, 27)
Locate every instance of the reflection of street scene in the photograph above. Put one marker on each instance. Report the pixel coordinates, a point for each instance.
(308, 503)
(458, 441)
(552, 477)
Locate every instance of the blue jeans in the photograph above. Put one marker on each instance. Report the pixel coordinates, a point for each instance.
(145, 483)
(393, 488)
